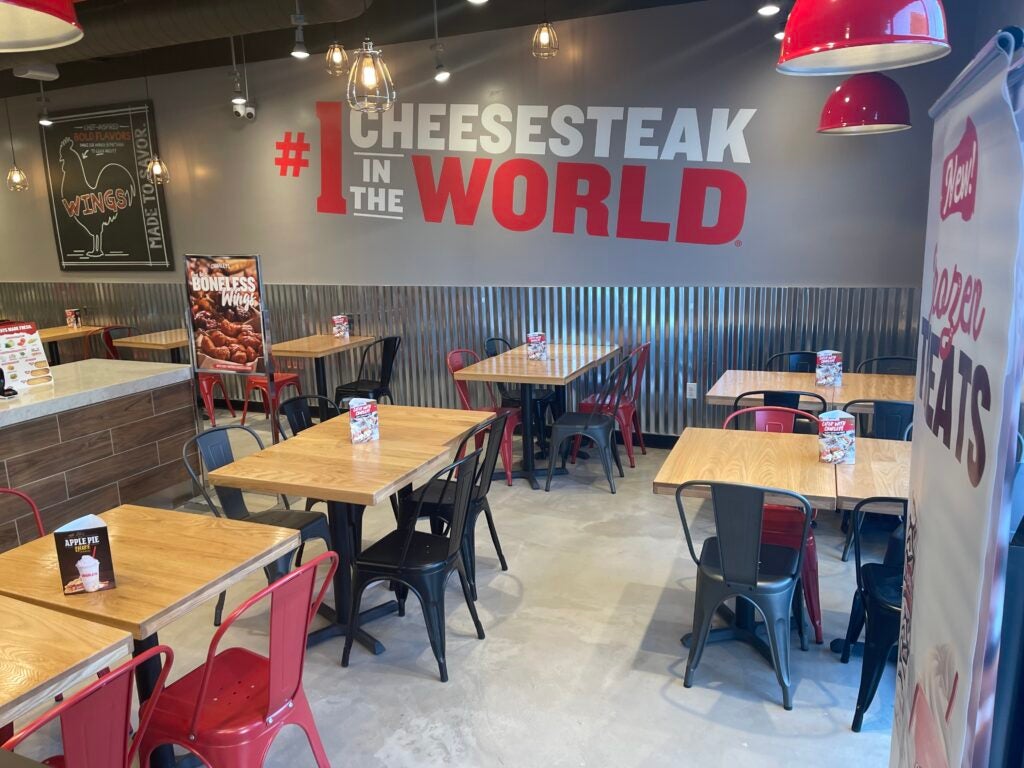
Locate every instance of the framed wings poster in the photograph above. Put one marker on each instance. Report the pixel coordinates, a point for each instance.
(106, 215)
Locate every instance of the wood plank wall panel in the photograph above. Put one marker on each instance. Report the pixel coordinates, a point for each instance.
(91, 459)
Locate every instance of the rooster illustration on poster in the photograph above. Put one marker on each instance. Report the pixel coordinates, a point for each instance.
(93, 204)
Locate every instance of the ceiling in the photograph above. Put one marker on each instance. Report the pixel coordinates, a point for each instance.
(132, 38)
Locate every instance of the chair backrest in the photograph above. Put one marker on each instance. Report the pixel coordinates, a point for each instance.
(803, 361)
(857, 518)
(387, 350)
(890, 364)
(493, 347)
(770, 418)
(464, 473)
(214, 446)
(293, 604)
(638, 359)
(887, 420)
(300, 416)
(739, 516)
(37, 517)
(493, 430)
(613, 391)
(458, 359)
(95, 722)
(779, 399)
(107, 336)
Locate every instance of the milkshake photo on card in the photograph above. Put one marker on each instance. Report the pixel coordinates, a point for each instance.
(83, 556)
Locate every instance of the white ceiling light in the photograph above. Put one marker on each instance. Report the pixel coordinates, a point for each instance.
(441, 73)
(44, 116)
(299, 21)
(477, 2)
(768, 9)
(237, 97)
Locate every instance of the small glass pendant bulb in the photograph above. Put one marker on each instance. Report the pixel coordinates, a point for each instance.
(17, 181)
(337, 60)
(156, 171)
(545, 41)
(370, 87)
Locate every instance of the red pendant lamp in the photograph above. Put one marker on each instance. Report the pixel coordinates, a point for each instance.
(844, 37)
(867, 103)
(36, 25)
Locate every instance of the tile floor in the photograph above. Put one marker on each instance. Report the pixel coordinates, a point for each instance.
(582, 664)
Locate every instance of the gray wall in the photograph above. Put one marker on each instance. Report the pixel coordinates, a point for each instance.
(821, 211)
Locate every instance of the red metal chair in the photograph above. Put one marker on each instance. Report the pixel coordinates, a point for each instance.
(782, 525)
(95, 723)
(207, 383)
(458, 359)
(35, 510)
(107, 337)
(228, 710)
(281, 380)
(628, 414)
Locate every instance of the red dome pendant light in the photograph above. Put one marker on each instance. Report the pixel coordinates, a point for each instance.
(866, 103)
(37, 25)
(845, 37)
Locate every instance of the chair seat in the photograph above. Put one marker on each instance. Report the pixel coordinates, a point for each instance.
(883, 584)
(235, 700)
(426, 552)
(295, 519)
(592, 403)
(438, 498)
(360, 386)
(576, 420)
(260, 380)
(539, 396)
(777, 564)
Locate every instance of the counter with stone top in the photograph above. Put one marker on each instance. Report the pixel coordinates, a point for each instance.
(107, 432)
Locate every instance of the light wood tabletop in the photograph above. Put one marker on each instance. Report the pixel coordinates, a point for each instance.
(732, 384)
(43, 653)
(785, 461)
(166, 563)
(882, 469)
(874, 386)
(322, 463)
(66, 333)
(161, 340)
(321, 345)
(565, 363)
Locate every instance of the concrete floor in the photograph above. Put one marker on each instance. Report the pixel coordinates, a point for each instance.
(582, 664)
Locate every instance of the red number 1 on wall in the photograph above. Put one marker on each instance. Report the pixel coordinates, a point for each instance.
(331, 199)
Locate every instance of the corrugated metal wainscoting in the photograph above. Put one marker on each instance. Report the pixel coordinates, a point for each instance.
(696, 332)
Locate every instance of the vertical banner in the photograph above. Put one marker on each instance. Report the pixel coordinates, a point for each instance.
(225, 314)
(965, 423)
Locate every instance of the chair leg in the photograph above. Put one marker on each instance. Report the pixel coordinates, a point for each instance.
(506, 455)
(613, 443)
(494, 535)
(298, 554)
(626, 428)
(811, 588)
(468, 549)
(878, 643)
(433, 615)
(639, 432)
(353, 617)
(798, 614)
(776, 617)
(469, 599)
(606, 462)
(245, 405)
(703, 613)
(218, 611)
(855, 626)
(227, 400)
(848, 545)
(576, 443)
(302, 716)
(401, 595)
(556, 448)
(206, 393)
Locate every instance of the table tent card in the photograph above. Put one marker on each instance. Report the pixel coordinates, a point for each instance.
(22, 358)
(837, 438)
(73, 318)
(536, 346)
(83, 556)
(829, 370)
(340, 326)
(363, 420)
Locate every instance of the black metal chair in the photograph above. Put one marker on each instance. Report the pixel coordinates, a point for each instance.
(890, 364)
(300, 417)
(734, 563)
(887, 420)
(596, 425)
(785, 399)
(375, 388)
(877, 605)
(421, 562)
(802, 361)
(436, 499)
(214, 447)
(543, 399)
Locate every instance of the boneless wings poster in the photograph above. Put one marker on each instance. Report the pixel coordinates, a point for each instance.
(225, 303)
(106, 214)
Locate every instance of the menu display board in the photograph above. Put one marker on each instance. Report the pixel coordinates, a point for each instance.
(226, 314)
(106, 213)
(22, 358)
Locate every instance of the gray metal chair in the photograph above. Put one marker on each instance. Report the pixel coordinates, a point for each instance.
(796, 361)
(734, 563)
(889, 364)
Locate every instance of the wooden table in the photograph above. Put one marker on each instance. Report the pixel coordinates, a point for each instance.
(166, 563)
(565, 363)
(882, 469)
(52, 336)
(165, 341)
(785, 461)
(732, 384)
(43, 653)
(11, 760)
(318, 348)
(322, 463)
(873, 386)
